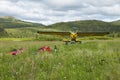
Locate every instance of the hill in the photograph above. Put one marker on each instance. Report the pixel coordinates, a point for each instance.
(116, 22)
(86, 25)
(12, 27)
(11, 22)
(19, 29)
(82, 25)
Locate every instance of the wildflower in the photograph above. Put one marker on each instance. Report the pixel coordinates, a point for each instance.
(65, 77)
(1, 55)
(59, 63)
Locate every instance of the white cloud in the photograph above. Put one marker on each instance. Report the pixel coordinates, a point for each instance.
(52, 11)
(60, 2)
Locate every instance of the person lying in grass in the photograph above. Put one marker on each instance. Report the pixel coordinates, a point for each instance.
(44, 48)
(17, 51)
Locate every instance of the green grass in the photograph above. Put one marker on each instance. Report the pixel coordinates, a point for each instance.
(17, 39)
(91, 60)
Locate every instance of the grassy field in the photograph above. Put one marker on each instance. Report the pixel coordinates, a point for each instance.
(91, 60)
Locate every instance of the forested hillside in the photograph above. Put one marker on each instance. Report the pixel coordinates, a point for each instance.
(116, 22)
(12, 27)
(86, 25)
(11, 22)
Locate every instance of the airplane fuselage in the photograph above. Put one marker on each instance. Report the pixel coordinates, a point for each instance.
(73, 36)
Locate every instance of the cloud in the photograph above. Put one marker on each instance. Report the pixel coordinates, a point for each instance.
(52, 11)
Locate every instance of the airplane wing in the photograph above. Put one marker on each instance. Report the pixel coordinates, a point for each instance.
(54, 33)
(92, 33)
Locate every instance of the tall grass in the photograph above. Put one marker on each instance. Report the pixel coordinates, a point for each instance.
(91, 60)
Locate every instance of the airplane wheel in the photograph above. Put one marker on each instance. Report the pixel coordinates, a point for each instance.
(66, 43)
(80, 42)
(73, 42)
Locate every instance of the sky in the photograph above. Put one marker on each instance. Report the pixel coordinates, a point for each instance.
(53, 11)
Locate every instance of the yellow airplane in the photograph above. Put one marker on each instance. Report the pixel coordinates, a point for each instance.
(73, 35)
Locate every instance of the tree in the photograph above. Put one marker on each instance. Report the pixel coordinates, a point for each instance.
(3, 33)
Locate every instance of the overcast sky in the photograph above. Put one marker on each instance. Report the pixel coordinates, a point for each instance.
(52, 11)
